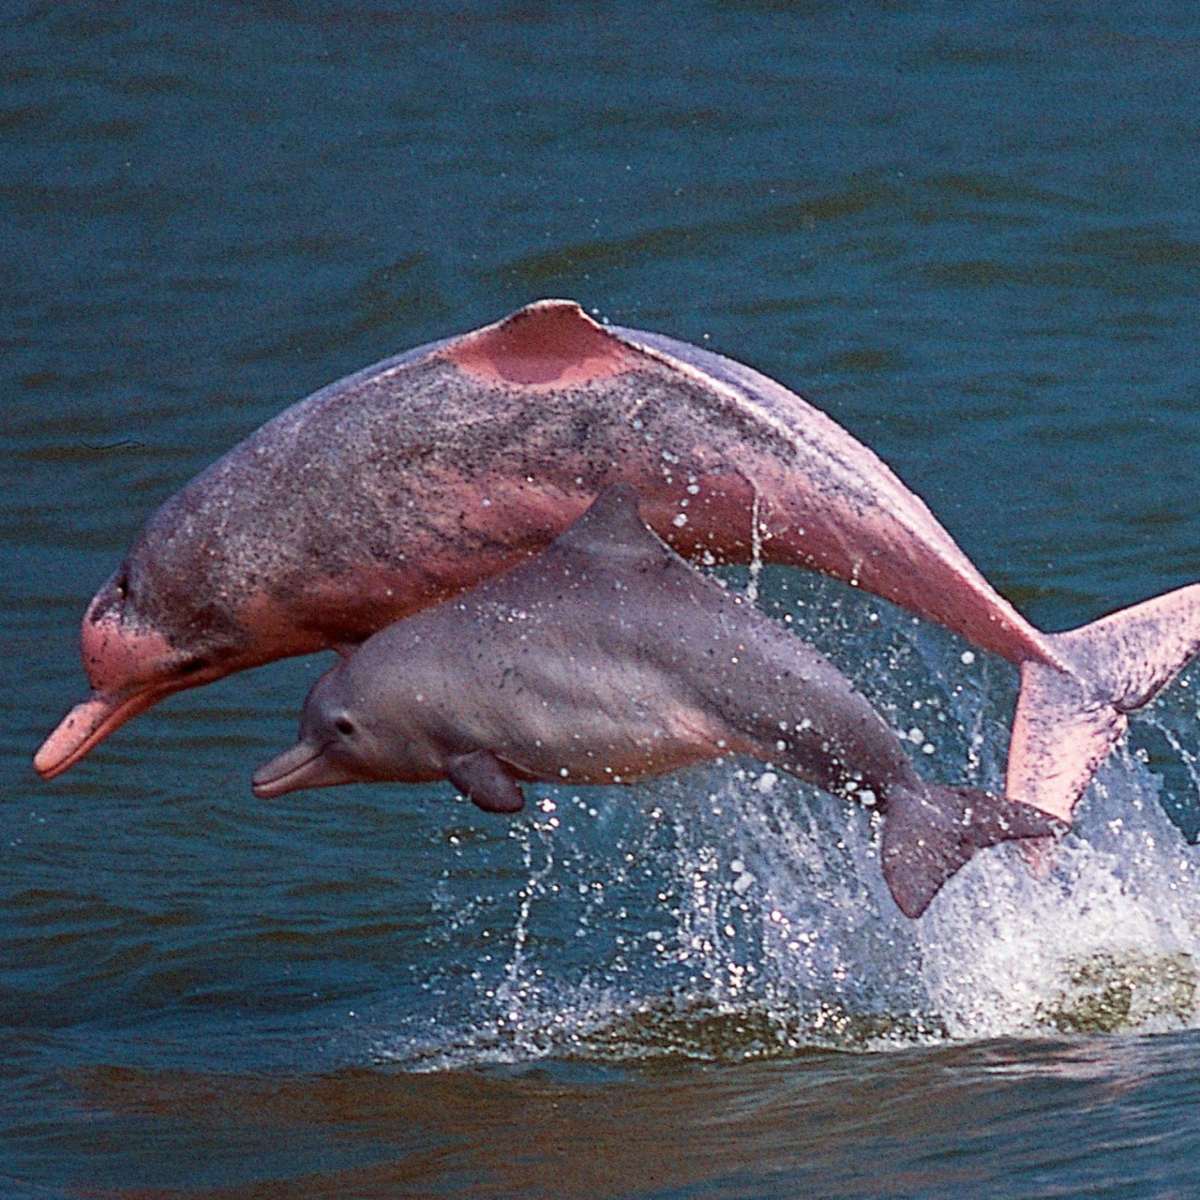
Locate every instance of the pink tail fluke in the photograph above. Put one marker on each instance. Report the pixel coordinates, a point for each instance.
(1066, 724)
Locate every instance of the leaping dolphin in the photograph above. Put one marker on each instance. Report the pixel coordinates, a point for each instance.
(413, 479)
(606, 659)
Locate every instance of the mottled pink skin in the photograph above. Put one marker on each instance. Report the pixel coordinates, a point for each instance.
(400, 486)
(129, 670)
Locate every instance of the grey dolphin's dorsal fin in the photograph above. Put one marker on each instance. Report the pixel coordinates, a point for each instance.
(613, 527)
(482, 778)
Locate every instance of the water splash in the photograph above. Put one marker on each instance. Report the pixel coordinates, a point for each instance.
(519, 975)
(733, 913)
(756, 541)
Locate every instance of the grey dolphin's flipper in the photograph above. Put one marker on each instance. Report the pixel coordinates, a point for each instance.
(483, 779)
(930, 831)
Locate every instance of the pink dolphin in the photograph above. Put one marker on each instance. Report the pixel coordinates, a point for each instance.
(406, 483)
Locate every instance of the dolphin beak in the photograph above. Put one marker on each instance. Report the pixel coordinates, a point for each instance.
(88, 723)
(303, 766)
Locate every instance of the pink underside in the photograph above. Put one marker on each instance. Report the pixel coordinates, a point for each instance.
(797, 527)
(279, 630)
(510, 519)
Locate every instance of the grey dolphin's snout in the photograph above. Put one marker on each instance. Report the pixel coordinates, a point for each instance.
(303, 766)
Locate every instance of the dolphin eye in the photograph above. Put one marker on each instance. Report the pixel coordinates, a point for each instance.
(344, 725)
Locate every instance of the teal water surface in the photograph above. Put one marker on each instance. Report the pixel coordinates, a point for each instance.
(969, 233)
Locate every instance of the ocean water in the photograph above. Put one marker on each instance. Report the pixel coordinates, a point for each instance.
(969, 233)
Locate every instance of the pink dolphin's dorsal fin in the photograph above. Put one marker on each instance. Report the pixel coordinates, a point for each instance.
(549, 343)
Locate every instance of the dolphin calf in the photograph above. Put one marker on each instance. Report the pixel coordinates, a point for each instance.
(607, 659)
(402, 485)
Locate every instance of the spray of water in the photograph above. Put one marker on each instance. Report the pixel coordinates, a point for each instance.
(734, 913)
(756, 559)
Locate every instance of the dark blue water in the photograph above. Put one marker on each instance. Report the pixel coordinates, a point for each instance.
(969, 232)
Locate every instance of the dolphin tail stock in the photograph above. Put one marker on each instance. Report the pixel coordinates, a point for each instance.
(1067, 721)
(930, 831)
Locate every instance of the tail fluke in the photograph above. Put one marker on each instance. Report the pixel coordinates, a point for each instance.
(931, 831)
(1060, 737)
(1066, 723)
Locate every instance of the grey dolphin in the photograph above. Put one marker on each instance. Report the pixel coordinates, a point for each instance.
(607, 659)
(402, 485)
